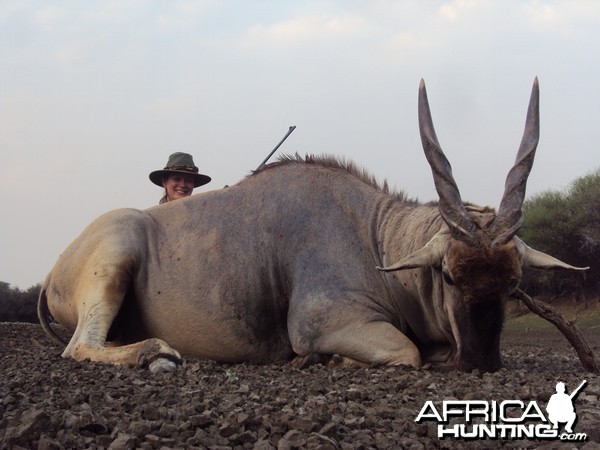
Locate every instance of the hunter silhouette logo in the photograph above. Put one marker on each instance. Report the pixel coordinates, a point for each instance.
(560, 407)
(507, 419)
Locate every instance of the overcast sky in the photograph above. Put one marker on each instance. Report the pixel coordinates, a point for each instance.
(94, 95)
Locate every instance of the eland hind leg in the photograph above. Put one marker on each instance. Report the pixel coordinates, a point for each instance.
(99, 302)
(87, 288)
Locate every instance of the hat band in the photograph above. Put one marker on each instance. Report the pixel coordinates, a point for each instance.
(187, 168)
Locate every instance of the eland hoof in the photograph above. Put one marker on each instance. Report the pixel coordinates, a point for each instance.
(162, 365)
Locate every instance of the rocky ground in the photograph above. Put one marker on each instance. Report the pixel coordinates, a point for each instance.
(50, 403)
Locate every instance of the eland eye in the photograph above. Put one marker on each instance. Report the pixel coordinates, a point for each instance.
(447, 278)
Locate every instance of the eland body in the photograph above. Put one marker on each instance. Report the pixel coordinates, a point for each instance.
(283, 264)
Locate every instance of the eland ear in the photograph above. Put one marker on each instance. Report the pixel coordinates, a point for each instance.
(540, 260)
(429, 255)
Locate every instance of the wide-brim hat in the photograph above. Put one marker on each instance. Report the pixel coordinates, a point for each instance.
(179, 163)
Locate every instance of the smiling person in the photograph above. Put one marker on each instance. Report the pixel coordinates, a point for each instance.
(179, 177)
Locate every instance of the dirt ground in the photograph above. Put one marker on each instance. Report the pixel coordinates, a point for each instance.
(47, 402)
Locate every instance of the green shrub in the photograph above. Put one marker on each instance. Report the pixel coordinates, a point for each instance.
(17, 305)
(566, 225)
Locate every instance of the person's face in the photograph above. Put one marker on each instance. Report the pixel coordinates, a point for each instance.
(178, 186)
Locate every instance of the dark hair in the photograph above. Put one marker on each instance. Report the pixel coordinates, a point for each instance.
(165, 197)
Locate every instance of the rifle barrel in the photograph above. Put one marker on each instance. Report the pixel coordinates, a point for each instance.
(292, 128)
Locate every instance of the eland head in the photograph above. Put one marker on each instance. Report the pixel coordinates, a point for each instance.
(479, 255)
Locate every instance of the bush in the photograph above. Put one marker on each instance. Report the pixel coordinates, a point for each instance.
(566, 225)
(17, 305)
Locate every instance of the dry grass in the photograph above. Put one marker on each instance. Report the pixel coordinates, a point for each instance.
(519, 318)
